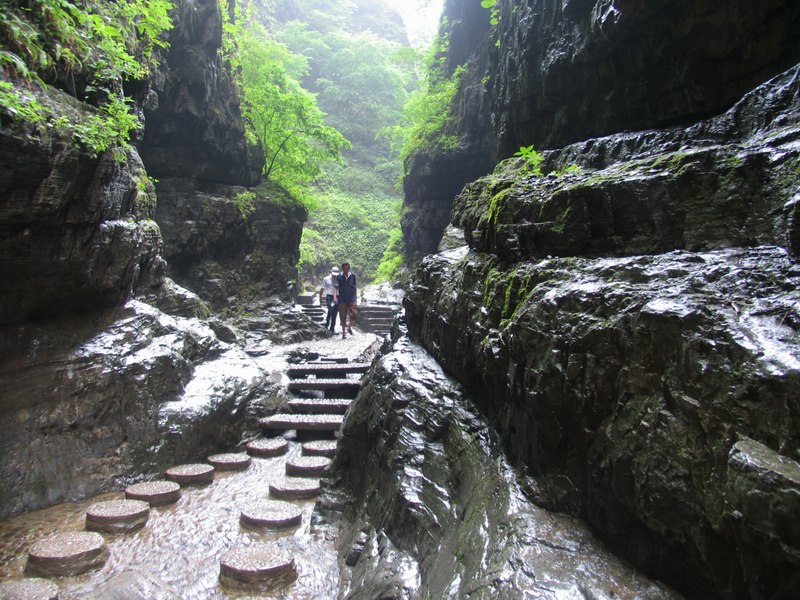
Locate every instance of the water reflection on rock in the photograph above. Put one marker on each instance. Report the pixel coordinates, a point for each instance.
(430, 508)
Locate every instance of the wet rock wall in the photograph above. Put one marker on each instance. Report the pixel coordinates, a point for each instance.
(194, 145)
(98, 403)
(632, 331)
(553, 73)
(430, 508)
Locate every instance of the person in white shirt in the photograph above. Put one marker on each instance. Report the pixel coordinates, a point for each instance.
(328, 288)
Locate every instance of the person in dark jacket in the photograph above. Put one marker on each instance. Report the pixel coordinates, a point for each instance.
(348, 299)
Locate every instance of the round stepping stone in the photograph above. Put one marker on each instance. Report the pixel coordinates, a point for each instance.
(197, 474)
(32, 588)
(117, 516)
(156, 493)
(307, 466)
(69, 553)
(293, 488)
(272, 514)
(230, 462)
(320, 448)
(268, 447)
(262, 565)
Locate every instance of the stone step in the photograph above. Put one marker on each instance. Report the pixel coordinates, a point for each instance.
(316, 406)
(258, 566)
(379, 320)
(307, 466)
(193, 474)
(236, 461)
(330, 369)
(268, 447)
(294, 488)
(70, 553)
(302, 422)
(28, 589)
(273, 514)
(325, 448)
(324, 384)
(117, 516)
(373, 309)
(155, 493)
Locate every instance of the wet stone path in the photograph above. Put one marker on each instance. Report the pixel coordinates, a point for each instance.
(239, 530)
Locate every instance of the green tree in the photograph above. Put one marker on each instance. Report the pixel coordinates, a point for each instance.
(283, 116)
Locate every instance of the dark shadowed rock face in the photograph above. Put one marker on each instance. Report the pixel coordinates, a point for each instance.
(193, 125)
(728, 181)
(75, 233)
(430, 508)
(557, 72)
(195, 146)
(219, 253)
(569, 70)
(633, 330)
(435, 176)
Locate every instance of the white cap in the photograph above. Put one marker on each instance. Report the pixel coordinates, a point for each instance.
(334, 270)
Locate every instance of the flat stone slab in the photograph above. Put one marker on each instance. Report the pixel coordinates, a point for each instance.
(307, 466)
(318, 406)
(70, 553)
(324, 384)
(294, 488)
(268, 447)
(326, 369)
(319, 448)
(271, 513)
(302, 422)
(260, 565)
(193, 474)
(155, 493)
(117, 516)
(234, 461)
(32, 588)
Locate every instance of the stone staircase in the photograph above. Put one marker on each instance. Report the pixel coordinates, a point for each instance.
(312, 310)
(377, 318)
(322, 390)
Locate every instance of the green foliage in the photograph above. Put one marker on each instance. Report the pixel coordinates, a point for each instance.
(393, 257)
(348, 226)
(428, 112)
(244, 203)
(283, 116)
(495, 18)
(87, 49)
(532, 158)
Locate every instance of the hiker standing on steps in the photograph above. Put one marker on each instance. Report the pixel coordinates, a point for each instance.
(346, 284)
(328, 288)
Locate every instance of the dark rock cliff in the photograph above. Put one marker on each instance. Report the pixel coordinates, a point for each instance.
(195, 147)
(556, 72)
(633, 331)
(101, 387)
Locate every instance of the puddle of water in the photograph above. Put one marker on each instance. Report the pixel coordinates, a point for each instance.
(181, 544)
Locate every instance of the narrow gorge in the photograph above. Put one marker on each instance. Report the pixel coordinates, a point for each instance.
(589, 389)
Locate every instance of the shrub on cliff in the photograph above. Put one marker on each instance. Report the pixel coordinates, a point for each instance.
(87, 50)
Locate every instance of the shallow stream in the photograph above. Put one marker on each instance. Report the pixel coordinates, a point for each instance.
(181, 544)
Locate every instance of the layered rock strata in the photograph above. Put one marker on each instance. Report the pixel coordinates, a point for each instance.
(217, 243)
(430, 508)
(552, 73)
(633, 332)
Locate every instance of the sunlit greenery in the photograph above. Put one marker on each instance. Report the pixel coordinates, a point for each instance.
(282, 115)
(362, 81)
(86, 49)
(428, 112)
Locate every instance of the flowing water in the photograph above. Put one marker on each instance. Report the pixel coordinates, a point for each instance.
(181, 544)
